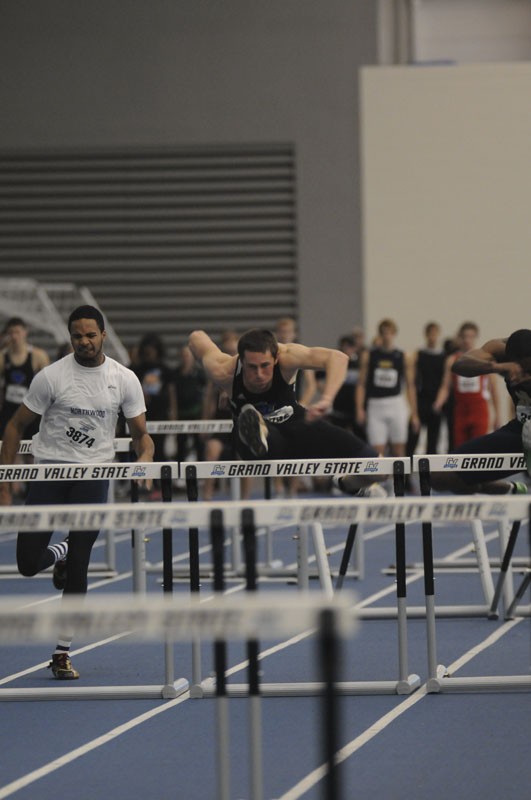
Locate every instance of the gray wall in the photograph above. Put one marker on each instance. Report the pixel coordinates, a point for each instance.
(147, 72)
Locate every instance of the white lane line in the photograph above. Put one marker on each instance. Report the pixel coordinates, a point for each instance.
(78, 752)
(310, 780)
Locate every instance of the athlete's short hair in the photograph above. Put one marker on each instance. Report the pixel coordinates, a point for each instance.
(518, 345)
(15, 322)
(388, 324)
(258, 340)
(468, 326)
(87, 312)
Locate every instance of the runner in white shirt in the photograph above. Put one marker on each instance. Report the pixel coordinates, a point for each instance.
(79, 398)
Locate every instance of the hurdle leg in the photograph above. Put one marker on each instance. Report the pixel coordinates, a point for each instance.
(169, 690)
(192, 493)
(482, 556)
(323, 567)
(257, 779)
(434, 672)
(358, 562)
(329, 657)
(220, 662)
(345, 558)
(138, 545)
(507, 548)
(510, 613)
(303, 572)
(269, 559)
(236, 553)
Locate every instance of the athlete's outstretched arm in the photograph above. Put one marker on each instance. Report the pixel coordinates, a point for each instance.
(334, 363)
(489, 358)
(218, 365)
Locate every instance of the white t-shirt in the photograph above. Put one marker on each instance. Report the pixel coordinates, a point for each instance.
(80, 407)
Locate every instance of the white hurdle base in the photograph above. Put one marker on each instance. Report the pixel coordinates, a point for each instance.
(489, 683)
(419, 612)
(68, 692)
(207, 688)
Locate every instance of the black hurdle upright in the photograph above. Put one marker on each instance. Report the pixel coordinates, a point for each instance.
(249, 544)
(217, 535)
(137, 543)
(399, 486)
(192, 495)
(347, 552)
(527, 577)
(329, 657)
(166, 488)
(504, 569)
(429, 581)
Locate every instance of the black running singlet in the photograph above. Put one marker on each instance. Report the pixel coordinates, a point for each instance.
(16, 383)
(386, 373)
(278, 404)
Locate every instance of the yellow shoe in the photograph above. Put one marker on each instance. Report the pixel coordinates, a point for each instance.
(62, 668)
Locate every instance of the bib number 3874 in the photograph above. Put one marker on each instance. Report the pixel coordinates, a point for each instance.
(80, 437)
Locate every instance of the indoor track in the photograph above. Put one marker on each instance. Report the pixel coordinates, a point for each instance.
(421, 745)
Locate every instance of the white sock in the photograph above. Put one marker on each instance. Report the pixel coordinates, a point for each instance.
(59, 550)
(63, 646)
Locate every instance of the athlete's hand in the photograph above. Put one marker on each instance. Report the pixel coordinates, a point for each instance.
(513, 371)
(317, 410)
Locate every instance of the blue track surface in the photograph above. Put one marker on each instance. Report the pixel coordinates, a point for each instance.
(435, 746)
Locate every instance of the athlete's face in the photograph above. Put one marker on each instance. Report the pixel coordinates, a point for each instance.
(467, 339)
(87, 341)
(257, 371)
(16, 336)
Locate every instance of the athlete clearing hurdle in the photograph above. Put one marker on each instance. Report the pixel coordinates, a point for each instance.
(79, 398)
(268, 420)
(510, 358)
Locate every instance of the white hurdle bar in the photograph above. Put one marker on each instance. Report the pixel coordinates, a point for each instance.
(495, 462)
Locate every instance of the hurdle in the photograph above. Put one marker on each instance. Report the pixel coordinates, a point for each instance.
(105, 569)
(513, 507)
(181, 516)
(90, 516)
(504, 588)
(226, 617)
(267, 469)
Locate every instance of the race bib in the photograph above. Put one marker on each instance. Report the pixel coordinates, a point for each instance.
(523, 413)
(468, 385)
(15, 394)
(385, 378)
(81, 432)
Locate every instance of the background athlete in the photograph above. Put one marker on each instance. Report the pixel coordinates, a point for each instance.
(510, 358)
(79, 398)
(269, 422)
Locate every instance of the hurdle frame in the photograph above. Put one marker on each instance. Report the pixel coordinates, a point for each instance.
(424, 465)
(171, 687)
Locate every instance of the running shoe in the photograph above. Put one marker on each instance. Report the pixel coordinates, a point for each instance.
(62, 668)
(526, 442)
(518, 487)
(252, 430)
